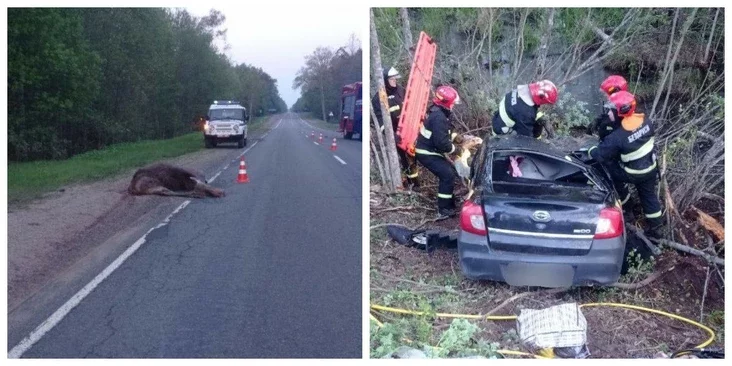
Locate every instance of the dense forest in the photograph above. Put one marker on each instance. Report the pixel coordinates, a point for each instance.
(324, 74)
(81, 79)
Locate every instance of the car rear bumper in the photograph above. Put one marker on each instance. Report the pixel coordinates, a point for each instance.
(600, 266)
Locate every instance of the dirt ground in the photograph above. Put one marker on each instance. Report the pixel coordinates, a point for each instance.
(48, 235)
(612, 332)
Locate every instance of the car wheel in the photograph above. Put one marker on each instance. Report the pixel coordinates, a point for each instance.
(208, 143)
(241, 143)
(348, 135)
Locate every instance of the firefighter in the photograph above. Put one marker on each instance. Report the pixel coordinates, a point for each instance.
(628, 154)
(603, 125)
(434, 142)
(519, 109)
(395, 94)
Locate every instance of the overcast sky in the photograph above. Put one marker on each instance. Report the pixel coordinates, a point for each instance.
(278, 39)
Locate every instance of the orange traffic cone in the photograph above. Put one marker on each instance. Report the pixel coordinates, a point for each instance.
(243, 177)
(333, 146)
(320, 139)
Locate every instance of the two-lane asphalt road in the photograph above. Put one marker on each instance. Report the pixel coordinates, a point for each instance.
(271, 270)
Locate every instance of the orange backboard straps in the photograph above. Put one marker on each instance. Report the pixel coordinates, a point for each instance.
(414, 107)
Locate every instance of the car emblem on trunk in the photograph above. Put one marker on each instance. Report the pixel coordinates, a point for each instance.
(541, 216)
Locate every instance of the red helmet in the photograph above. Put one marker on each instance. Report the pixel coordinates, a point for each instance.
(543, 92)
(446, 96)
(624, 102)
(614, 84)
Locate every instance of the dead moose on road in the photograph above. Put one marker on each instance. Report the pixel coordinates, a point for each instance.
(168, 180)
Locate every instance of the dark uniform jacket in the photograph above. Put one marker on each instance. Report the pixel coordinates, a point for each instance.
(515, 115)
(396, 99)
(632, 144)
(435, 136)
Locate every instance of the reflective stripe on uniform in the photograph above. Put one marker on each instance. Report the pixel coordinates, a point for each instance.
(654, 215)
(639, 153)
(453, 136)
(394, 108)
(425, 152)
(589, 152)
(425, 132)
(415, 175)
(641, 171)
(504, 115)
(442, 195)
(539, 115)
(625, 200)
(452, 150)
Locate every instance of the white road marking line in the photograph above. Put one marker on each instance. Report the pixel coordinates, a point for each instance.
(278, 124)
(339, 159)
(217, 174)
(316, 143)
(64, 310)
(249, 148)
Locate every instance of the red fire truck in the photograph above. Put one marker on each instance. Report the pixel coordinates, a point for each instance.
(351, 106)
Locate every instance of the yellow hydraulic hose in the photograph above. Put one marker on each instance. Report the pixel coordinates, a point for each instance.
(659, 312)
(512, 317)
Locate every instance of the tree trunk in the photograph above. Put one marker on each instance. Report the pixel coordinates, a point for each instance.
(406, 29)
(386, 177)
(544, 47)
(377, 159)
(711, 35)
(666, 64)
(322, 101)
(377, 71)
(670, 66)
(520, 44)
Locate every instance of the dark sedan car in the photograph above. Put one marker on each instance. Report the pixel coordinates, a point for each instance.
(540, 216)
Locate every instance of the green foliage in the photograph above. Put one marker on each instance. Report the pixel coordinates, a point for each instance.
(28, 179)
(569, 112)
(82, 79)
(323, 76)
(387, 339)
(638, 268)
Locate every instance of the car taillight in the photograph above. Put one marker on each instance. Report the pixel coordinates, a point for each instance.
(610, 224)
(471, 218)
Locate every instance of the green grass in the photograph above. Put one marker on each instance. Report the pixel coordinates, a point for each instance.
(29, 180)
(257, 124)
(319, 122)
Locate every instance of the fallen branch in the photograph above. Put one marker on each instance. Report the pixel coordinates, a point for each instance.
(710, 223)
(638, 232)
(704, 296)
(405, 208)
(712, 196)
(434, 288)
(382, 225)
(526, 294)
(634, 286)
(689, 250)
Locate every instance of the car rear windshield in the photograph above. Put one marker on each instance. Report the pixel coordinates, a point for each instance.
(513, 170)
(215, 114)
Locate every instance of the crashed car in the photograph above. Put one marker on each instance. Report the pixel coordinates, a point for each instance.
(540, 216)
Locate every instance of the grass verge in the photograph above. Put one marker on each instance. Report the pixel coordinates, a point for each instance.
(319, 122)
(29, 180)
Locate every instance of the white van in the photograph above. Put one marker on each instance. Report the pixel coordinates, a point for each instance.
(226, 122)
